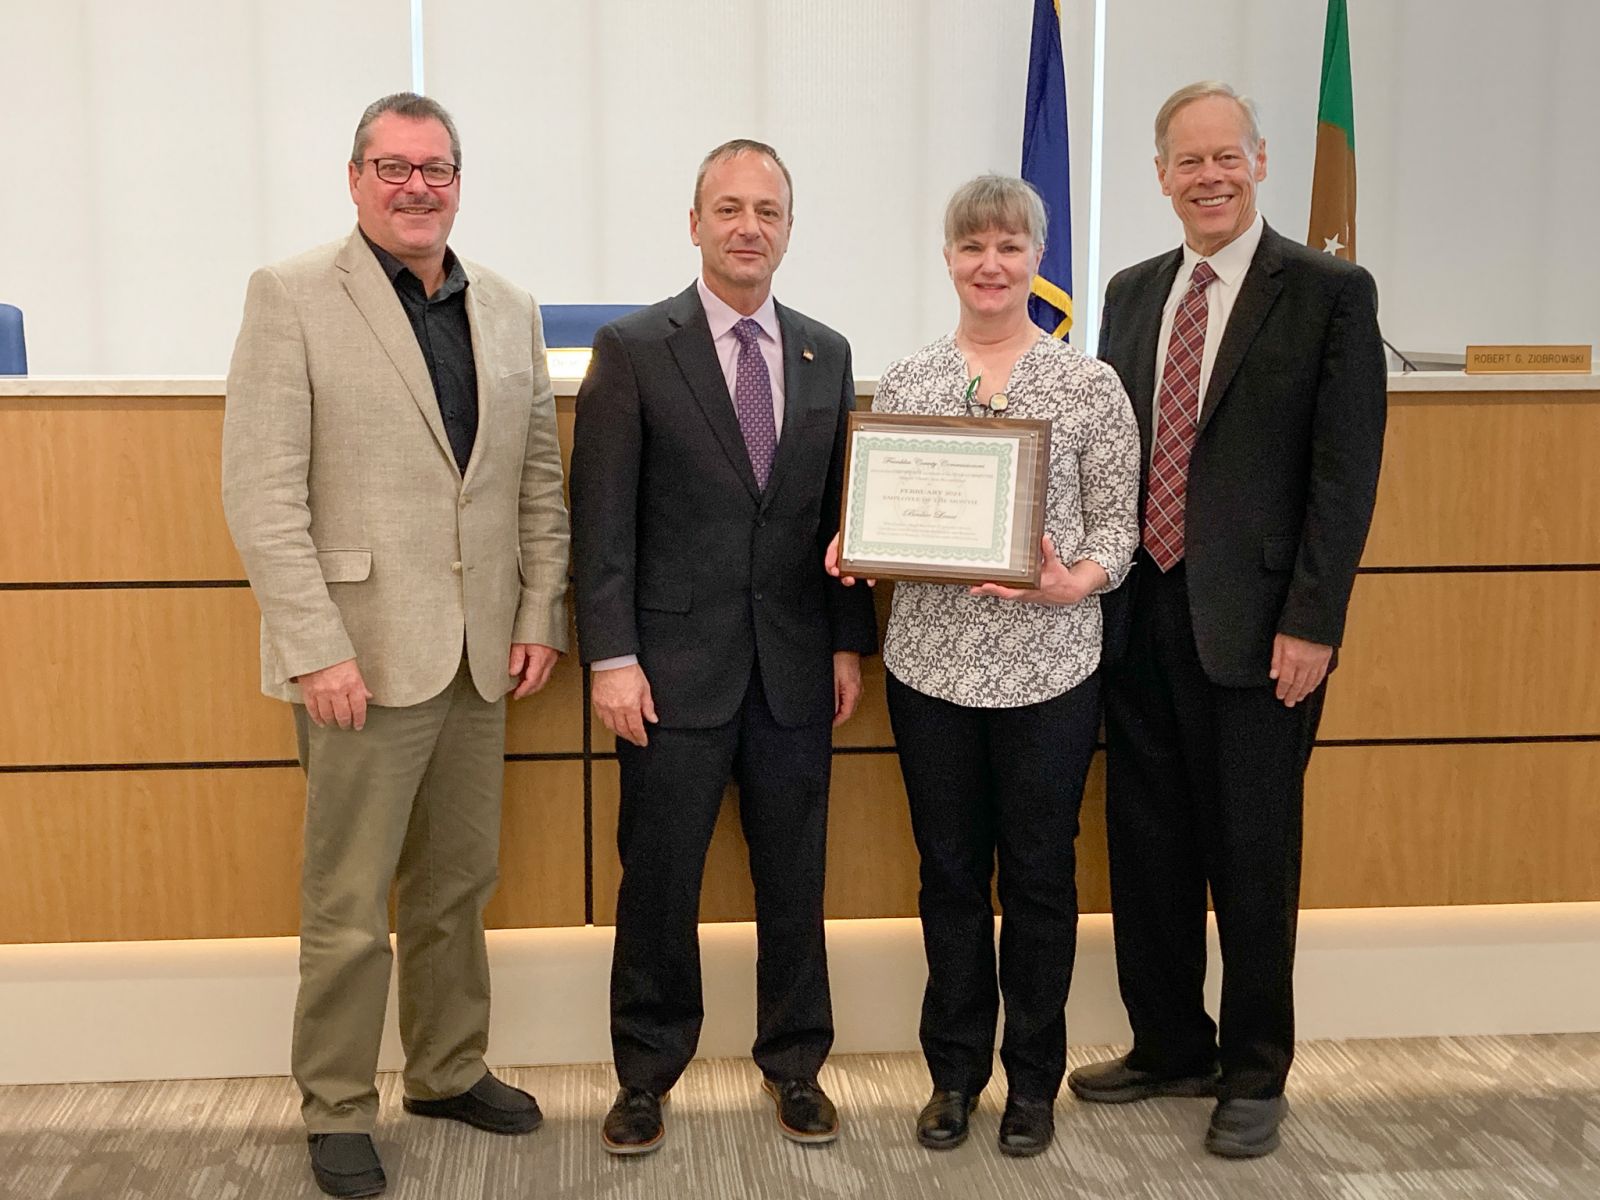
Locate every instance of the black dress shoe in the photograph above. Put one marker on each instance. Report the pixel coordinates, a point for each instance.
(804, 1112)
(346, 1164)
(942, 1123)
(1027, 1127)
(633, 1126)
(1246, 1128)
(1117, 1083)
(488, 1104)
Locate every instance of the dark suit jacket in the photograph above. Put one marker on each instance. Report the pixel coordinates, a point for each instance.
(1285, 465)
(680, 559)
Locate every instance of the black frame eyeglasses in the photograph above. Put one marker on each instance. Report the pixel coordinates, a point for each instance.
(434, 174)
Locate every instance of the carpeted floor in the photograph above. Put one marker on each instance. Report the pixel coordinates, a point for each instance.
(1464, 1118)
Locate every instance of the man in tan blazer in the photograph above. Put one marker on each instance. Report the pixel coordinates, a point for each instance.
(392, 479)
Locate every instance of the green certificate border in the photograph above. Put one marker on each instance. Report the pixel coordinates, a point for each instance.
(1001, 448)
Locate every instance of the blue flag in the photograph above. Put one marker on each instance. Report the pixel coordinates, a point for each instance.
(1044, 164)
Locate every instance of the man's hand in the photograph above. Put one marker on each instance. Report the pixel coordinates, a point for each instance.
(336, 695)
(846, 685)
(1059, 585)
(622, 698)
(1299, 667)
(830, 563)
(534, 663)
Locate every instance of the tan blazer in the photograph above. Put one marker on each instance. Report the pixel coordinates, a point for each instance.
(359, 534)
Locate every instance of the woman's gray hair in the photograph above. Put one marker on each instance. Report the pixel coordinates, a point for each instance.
(1199, 91)
(995, 202)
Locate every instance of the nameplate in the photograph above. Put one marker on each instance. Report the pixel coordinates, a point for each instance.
(1529, 360)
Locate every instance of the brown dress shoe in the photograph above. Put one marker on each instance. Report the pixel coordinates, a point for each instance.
(804, 1112)
(633, 1126)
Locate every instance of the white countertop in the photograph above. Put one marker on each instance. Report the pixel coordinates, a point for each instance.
(1456, 381)
(212, 385)
(146, 385)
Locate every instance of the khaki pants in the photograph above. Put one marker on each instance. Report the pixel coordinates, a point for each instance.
(413, 798)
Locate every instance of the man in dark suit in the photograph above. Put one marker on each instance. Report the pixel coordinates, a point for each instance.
(706, 473)
(1262, 442)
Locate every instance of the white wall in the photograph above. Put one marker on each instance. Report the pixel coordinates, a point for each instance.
(1476, 148)
(219, 1009)
(168, 148)
(588, 123)
(1484, 168)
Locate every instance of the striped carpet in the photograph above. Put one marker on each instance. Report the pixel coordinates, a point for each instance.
(1464, 1118)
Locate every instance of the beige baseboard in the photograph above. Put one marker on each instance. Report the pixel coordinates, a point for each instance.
(174, 1010)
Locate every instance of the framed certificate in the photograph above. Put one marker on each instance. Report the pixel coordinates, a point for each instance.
(944, 499)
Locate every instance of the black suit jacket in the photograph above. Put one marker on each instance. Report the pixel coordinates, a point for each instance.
(680, 558)
(1285, 465)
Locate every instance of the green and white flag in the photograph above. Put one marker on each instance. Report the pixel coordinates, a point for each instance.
(1333, 183)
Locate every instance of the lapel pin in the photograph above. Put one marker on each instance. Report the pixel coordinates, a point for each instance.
(806, 354)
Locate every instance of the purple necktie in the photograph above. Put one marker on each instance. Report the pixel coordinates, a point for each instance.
(752, 400)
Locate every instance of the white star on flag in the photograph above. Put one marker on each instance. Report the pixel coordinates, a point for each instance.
(1332, 245)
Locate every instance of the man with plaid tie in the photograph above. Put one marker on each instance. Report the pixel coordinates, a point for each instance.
(707, 465)
(1257, 375)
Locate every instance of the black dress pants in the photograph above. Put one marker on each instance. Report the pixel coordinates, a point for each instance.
(1205, 786)
(982, 781)
(671, 792)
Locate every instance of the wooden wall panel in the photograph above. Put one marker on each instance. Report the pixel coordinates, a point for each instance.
(137, 855)
(146, 855)
(541, 848)
(1484, 824)
(605, 871)
(566, 415)
(872, 861)
(129, 676)
(551, 720)
(1508, 479)
(172, 675)
(1094, 882)
(122, 489)
(870, 725)
(1490, 654)
(115, 675)
(113, 489)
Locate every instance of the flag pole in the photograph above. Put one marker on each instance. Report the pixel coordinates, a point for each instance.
(1097, 129)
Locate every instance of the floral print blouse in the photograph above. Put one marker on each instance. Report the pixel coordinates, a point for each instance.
(981, 651)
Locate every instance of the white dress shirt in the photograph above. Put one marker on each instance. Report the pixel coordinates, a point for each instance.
(1231, 264)
(722, 317)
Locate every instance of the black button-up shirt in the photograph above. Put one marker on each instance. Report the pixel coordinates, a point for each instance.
(445, 337)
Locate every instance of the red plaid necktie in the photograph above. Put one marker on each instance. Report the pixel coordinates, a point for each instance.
(1179, 421)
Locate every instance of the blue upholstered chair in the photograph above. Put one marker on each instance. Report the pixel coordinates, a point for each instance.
(573, 326)
(13, 347)
(569, 331)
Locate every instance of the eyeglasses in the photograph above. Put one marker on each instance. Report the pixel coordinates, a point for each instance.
(398, 170)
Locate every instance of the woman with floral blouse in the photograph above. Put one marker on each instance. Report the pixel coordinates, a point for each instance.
(994, 691)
